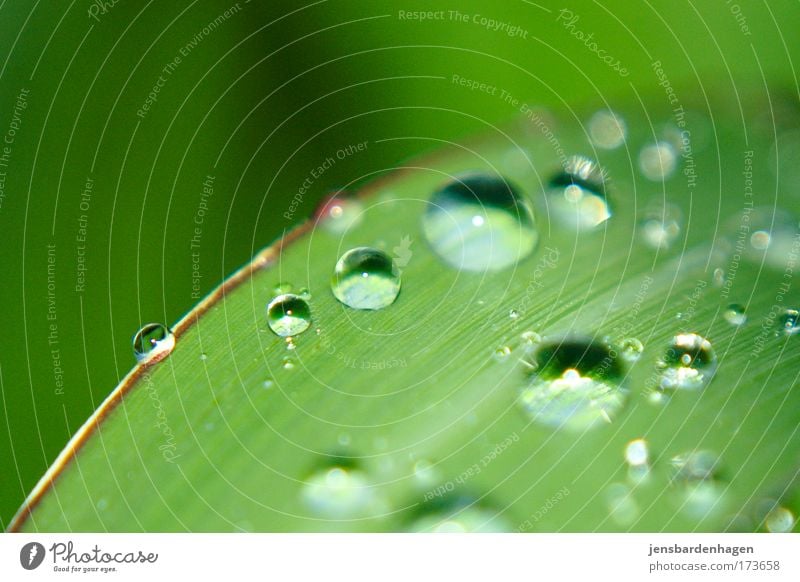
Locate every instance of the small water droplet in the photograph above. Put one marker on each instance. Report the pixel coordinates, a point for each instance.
(287, 363)
(341, 493)
(607, 130)
(153, 342)
(480, 222)
(366, 278)
(267, 384)
(281, 288)
(637, 453)
(288, 315)
(631, 349)
(304, 293)
(513, 314)
(577, 195)
(501, 354)
(735, 315)
(530, 338)
(719, 277)
(790, 321)
(779, 520)
(661, 226)
(203, 357)
(658, 161)
(339, 215)
(689, 363)
(574, 382)
(344, 439)
(760, 240)
(424, 472)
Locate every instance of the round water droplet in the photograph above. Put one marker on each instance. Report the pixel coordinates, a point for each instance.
(779, 520)
(203, 357)
(637, 453)
(341, 493)
(631, 349)
(480, 222)
(530, 338)
(339, 215)
(766, 234)
(471, 519)
(513, 314)
(790, 321)
(153, 342)
(267, 384)
(658, 161)
(576, 197)
(501, 354)
(287, 363)
(366, 278)
(288, 315)
(689, 363)
(575, 383)
(735, 315)
(607, 130)
(661, 226)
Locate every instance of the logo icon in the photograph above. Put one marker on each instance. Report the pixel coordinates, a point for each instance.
(403, 252)
(31, 555)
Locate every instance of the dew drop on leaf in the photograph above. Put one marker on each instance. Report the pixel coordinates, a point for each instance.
(153, 342)
(366, 278)
(575, 383)
(735, 315)
(689, 363)
(779, 520)
(790, 321)
(480, 222)
(576, 196)
(288, 315)
(631, 349)
(341, 493)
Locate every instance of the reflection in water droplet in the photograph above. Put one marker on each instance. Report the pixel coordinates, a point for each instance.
(689, 363)
(153, 342)
(658, 161)
(471, 519)
(574, 382)
(790, 321)
(480, 222)
(577, 195)
(607, 130)
(735, 315)
(341, 214)
(779, 520)
(341, 493)
(288, 315)
(366, 278)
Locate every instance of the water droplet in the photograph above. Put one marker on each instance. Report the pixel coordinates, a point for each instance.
(774, 237)
(203, 357)
(469, 519)
(575, 382)
(631, 349)
(637, 453)
(658, 161)
(339, 215)
(607, 130)
(304, 293)
(366, 278)
(153, 342)
(425, 473)
(287, 363)
(267, 384)
(480, 222)
(577, 195)
(502, 353)
(735, 315)
(662, 226)
(513, 314)
(288, 315)
(779, 520)
(344, 439)
(689, 363)
(530, 338)
(102, 504)
(790, 321)
(622, 507)
(719, 277)
(341, 493)
(282, 288)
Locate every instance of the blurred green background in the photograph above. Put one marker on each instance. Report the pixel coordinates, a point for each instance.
(257, 95)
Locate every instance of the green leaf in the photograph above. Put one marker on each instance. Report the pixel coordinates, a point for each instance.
(414, 416)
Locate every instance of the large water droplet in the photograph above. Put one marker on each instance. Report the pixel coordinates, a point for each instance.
(577, 195)
(480, 222)
(153, 342)
(575, 382)
(790, 321)
(341, 493)
(607, 130)
(689, 363)
(366, 278)
(658, 161)
(779, 520)
(288, 315)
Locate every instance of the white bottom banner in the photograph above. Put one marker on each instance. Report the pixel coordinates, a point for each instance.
(371, 557)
